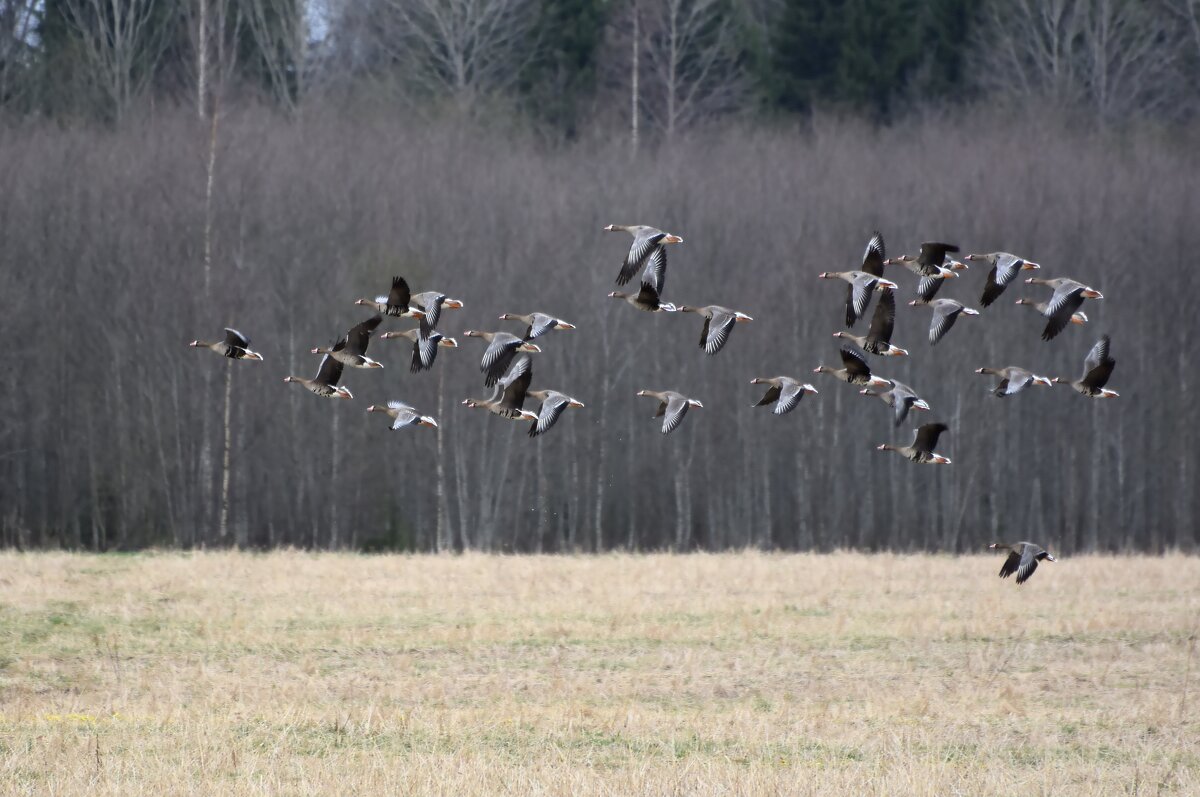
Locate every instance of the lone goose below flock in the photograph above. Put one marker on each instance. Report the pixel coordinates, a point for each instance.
(1023, 558)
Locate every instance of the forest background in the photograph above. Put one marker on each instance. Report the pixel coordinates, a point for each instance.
(170, 168)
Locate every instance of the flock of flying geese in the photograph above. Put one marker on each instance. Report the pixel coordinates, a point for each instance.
(507, 367)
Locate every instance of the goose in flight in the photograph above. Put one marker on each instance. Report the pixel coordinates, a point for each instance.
(671, 408)
(425, 347)
(648, 248)
(1023, 558)
(1013, 379)
(1097, 368)
(784, 392)
(945, 313)
(351, 348)
(538, 324)
(553, 405)
(502, 348)
(901, 398)
(325, 383)
(403, 415)
(235, 346)
(1005, 268)
(856, 370)
(1067, 298)
(508, 399)
(878, 339)
(718, 324)
(921, 451)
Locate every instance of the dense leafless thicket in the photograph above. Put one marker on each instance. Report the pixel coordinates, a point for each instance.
(111, 427)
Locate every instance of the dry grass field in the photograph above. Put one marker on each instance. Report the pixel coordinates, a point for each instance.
(740, 674)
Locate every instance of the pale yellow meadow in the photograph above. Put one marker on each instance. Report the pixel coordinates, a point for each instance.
(730, 674)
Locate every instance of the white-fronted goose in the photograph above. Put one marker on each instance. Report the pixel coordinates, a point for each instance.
(921, 450)
(646, 299)
(1067, 298)
(718, 323)
(236, 346)
(538, 323)
(553, 404)
(856, 372)
(931, 262)
(648, 248)
(784, 391)
(879, 336)
(1097, 368)
(502, 348)
(1004, 270)
(873, 256)
(901, 398)
(1023, 558)
(508, 400)
(1079, 317)
(396, 304)
(425, 348)
(430, 305)
(859, 295)
(403, 415)
(929, 285)
(945, 313)
(1013, 379)
(672, 407)
(351, 348)
(325, 384)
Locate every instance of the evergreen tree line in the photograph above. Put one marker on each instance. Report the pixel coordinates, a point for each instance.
(656, 67)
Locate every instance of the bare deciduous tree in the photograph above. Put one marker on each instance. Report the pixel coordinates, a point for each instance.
(1117, 58)
(18, 21)
(685, 63)
(458, 47)
(122, 44)
(693, 65)
(281, 37)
